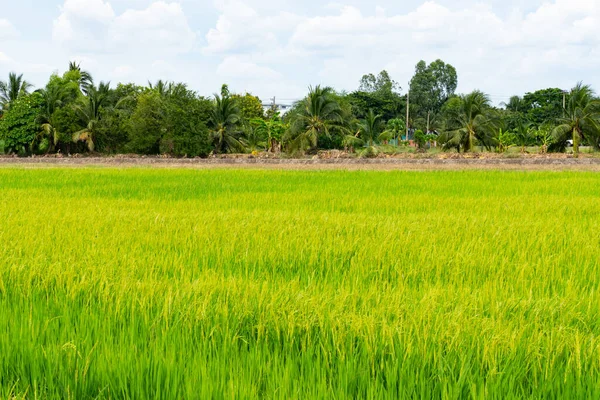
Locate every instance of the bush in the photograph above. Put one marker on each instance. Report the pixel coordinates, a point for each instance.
(18, 126)
(174, 124)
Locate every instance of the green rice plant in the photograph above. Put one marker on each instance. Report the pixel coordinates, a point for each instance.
(163, 284)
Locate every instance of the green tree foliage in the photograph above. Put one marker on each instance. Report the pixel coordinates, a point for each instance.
(319, 114)
(170, 122)
(396, 128)
(76, 115)
(188, 116)
(431, 86)
(19, 126)
(89, 109)
(370, 136)
(581, 120)
(12, 89)
(470, 121)
(225, 121)
(84, 78)
(504, 140)
(382, 83)
(250, 107)
(59, 96)
(516, 104)
(543, 106)
(270, 131)
(147, 124)
(379, 93)
(112, 129)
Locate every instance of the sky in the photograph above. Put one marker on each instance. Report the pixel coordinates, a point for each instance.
(279, 48)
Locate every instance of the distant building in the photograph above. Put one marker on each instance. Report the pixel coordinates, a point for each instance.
(282, 108)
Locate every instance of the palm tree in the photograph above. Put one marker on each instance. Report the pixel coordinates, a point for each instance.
(253, 140)
(89, 111)
(369, 135)
(319, 114)
(12, 89)
(581, 120)
(473, 121)
(515, 104)
(85, 78)
(53, 97)
(225, 119)
(163, 88)
(523, 133)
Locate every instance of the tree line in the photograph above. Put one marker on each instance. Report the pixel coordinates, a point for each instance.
(73, 114)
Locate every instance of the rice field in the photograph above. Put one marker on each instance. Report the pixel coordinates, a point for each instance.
(235, 284)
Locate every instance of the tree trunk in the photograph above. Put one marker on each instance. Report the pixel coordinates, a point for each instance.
(470, 144)
(576, 140)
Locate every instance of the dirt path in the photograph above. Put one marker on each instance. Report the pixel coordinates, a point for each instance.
(550, 163)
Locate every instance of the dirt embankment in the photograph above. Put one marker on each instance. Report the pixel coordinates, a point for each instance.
(326, 160)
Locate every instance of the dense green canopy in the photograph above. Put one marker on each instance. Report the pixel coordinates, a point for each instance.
(73, 114)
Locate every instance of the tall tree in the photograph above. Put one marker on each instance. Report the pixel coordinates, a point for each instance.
(543, 106)
(250, 107)
(89, 111)
(53, 97)
(382, 83)
(516, 104)
(319, 114)
(470, 120)
(12, 89)
(431, 86)
(581, 120)
(369, 135)
(85, 78)
(379, 93)
(225, 120)
(19, 126)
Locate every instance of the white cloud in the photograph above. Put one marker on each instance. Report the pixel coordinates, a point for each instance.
(82, 24)
(7, 30)
(236, 67)
(124, 71)
(239, 26)
(161, 25)
(93, 26)
(486, 47)
(279, 48)
(89, 9)
(4, 59)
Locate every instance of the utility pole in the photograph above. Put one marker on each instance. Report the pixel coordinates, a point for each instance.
(428, 122)
(407, 111)
(564, 102)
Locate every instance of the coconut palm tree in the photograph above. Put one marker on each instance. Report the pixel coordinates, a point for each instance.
(85, 78)
(163, 88)
(53, 96)
(318, 114)
(471, 121)
(253, 139)
(581, 120)
(89, 111)
(369, 135)
(12, 89)
(225, 119)
(515, 104)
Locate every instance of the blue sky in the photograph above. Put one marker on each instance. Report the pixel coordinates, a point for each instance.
(280, 48)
